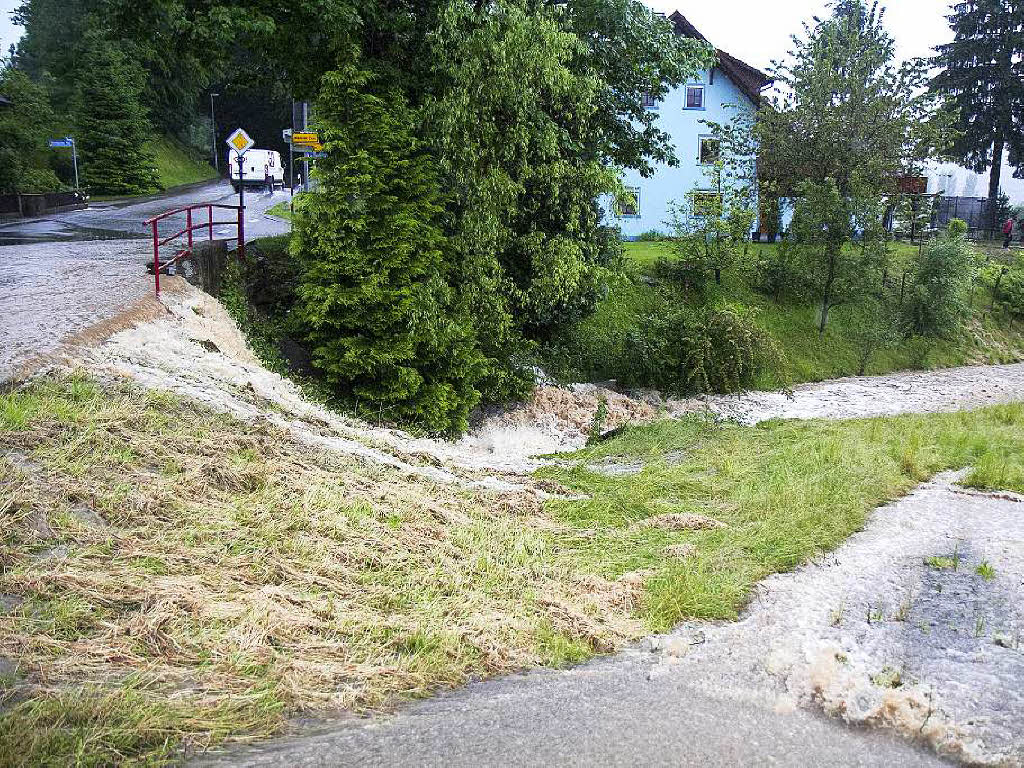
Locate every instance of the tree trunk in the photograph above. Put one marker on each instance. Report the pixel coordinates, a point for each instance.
(832, 253)
(718, 275)
(994, 179)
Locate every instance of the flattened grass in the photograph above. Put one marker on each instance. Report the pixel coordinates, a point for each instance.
(251, 578)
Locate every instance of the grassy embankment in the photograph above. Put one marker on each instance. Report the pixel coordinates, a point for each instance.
(593, 350)
(176, 165)
(172, 577)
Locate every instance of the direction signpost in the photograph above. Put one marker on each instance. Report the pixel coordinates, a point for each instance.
(68, 143)
(241, 142)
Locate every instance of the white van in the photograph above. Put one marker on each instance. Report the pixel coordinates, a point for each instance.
(255, 164)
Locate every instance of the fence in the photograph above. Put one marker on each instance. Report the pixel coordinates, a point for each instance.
(39, 205)
(187, 232)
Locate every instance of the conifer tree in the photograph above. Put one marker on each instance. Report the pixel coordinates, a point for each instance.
(111, 124)
(983, 78)
(375, 293)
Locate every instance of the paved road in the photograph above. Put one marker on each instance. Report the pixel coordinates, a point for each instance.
(614, 712)
(120, 219)
(63, 273)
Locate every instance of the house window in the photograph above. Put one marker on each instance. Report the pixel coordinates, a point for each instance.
(694, 97)
(649, 102)
(710, 151)
(628, 203)
(707, 203)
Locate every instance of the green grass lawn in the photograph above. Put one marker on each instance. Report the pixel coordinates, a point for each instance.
(592, 351)
(281, 210)
(784, 491)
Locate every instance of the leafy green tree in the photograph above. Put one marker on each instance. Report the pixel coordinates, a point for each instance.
(712, 228)
(850, 123)
(111, 123)
(982, 76)
(25, 127)
(529, 105)
(375, 294)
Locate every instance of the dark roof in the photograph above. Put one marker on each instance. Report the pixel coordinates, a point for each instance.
(748, 79)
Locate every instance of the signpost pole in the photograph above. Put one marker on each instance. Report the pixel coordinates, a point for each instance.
(241, 206)
(241, 180)
(305, 163)
(74, 160)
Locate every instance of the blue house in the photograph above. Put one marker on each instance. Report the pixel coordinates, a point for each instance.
(713, 95)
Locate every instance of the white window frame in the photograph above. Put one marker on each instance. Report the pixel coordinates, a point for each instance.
(703, 96)
(700, 149)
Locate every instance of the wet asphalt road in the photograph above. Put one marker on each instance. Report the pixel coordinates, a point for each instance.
(62, 273)
(612, 712)
(124, 218)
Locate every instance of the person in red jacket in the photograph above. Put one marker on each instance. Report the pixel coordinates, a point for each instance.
(1008, 232)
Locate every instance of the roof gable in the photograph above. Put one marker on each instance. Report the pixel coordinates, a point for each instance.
(748, 79)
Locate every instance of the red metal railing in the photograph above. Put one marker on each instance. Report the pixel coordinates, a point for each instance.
(190, 227)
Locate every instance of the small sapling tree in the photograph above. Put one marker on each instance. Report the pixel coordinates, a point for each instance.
(713, 224)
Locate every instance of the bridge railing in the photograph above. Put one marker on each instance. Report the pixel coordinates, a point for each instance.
(190, 227)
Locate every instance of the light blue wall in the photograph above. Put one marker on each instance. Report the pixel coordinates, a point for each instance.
(684, 126)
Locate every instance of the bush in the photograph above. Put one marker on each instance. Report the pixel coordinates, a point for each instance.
(777, 273)
(685, 352)
(652, 236)
(956, 228)
(936, 305)
(873, 326)
(1010, 293)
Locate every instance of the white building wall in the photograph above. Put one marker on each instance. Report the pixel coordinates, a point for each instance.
(685, 127)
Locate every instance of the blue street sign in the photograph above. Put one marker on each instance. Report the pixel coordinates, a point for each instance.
(65, 143)
(314, 155)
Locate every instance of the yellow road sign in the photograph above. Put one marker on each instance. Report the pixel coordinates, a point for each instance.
(305, 138)
(240, 141)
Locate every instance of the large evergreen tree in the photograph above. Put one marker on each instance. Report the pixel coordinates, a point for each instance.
(983, 78)
(375, 294)
(111, 124)
(25, 127)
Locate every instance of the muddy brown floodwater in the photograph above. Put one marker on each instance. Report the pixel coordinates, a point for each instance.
(49, 291)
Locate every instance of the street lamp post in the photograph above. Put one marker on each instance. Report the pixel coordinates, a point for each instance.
(213, 121)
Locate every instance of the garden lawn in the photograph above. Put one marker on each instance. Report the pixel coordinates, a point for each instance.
(594, 350)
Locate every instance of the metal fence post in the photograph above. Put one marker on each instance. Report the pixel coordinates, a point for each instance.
(156, 256)
(209, 210)
(241, 233)
(188, 225)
